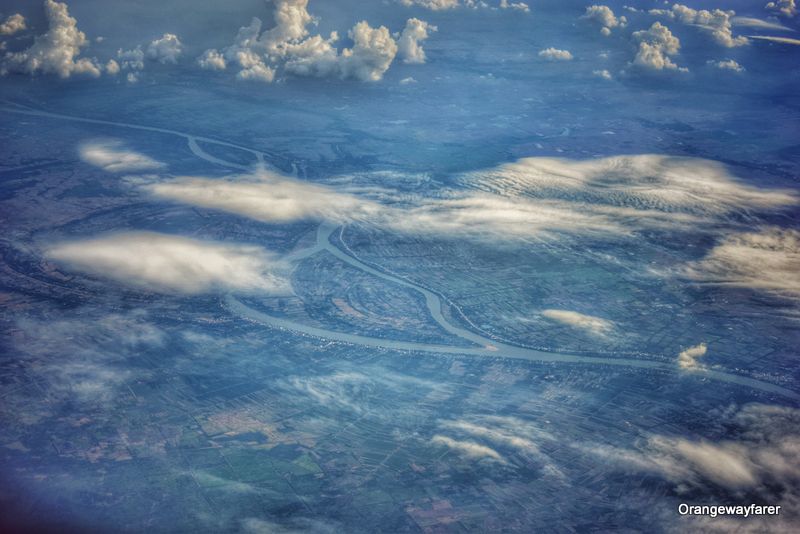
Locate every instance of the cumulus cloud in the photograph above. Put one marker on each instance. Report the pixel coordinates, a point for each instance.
(604, 16)
(408, 44)
(717, 22)
(212, 60)
(13, 24)
(112, 156)
(554, 54)
(165, 49)
(258, 72)
(786, 8)
(244, 52)
(56, 51)
(372, 53)
(687, 359)
(467, 449)
(172, 264)
(588, 323)
(767, 260)
(112, 67)
(604, 74)
(289, 46)
(727, 64)
(656, 45)
(517, 6)
(132, 59)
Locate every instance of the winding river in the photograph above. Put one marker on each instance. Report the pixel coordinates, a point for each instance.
(484, 347)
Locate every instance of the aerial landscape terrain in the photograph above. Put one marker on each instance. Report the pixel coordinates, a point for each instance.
(399, 266)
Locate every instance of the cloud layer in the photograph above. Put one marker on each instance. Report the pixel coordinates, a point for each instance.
(533, 198)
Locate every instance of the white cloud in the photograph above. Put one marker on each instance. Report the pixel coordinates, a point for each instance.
(656, 45)
(212, 60)
(55, 51)
(604, 16)
(372, 53)
(291, 19)
(408, 44)
(13, 24)
(112, 67)
(244, 52)
(767, 260)
(589, 323)
(554, 54)
(486, 216)
(687, 359)
(112, 156)
(166, 49)
(787, 8)
(727, 64)
(718, 22)
(267, 197)
(270, 197)
(314, 56)
(258, 73)
(173, 264)
(406, 81)
(602, 74)
(467, 449)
